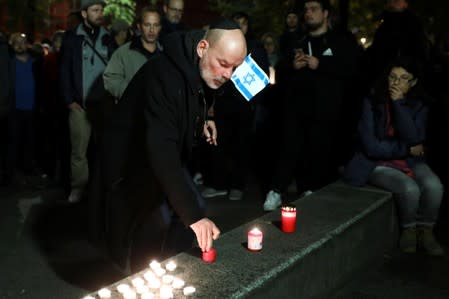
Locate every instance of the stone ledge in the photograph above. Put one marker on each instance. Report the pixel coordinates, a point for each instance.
(341, 229)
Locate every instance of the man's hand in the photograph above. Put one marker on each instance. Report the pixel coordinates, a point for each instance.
(210, 132)
(417, 150)
(396, 93)
(205, 231)
(74, 106)
(312, 62)
(299, 61)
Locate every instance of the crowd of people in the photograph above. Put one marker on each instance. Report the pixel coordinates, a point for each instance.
(134, 118)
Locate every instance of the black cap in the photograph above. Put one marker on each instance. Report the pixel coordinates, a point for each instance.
(224, 23)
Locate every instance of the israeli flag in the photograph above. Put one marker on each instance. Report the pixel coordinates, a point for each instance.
(249, 78)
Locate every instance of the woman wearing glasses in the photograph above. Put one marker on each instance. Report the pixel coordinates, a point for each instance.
(391, 155)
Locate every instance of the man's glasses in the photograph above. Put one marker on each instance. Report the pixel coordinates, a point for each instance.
(393, 78)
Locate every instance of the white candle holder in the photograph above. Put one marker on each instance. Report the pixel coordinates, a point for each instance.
(188, 291)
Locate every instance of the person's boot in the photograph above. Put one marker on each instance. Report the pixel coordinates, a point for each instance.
(426, 240)
(407, 241)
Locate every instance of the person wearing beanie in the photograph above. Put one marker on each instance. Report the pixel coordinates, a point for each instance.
(84, 54)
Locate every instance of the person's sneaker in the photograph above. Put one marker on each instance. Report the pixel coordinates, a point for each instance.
(427, 241)
(198, 179)
(75, 196)
(407, 241)
(305, 193)
(235, 194)
(272, 201)
(210, 192)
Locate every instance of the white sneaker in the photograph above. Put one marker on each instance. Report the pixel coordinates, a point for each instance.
(210, 192)
(198, 179)
(272, 201)
(305, 193)
(75, 195)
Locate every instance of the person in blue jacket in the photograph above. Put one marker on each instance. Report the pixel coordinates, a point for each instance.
(392, 154)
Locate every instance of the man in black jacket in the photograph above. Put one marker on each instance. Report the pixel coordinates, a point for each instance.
(153, 127)
(313, 105)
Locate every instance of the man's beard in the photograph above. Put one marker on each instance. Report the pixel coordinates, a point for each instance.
(94, 24)
(314, 26)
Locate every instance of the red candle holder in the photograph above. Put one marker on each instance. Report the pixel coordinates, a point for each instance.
(288, 219)
(210, 256)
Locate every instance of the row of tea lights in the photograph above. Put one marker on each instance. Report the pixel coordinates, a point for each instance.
(155, 280)
(157, 277)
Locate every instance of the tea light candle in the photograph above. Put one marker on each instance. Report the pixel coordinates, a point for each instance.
(210, 255)
(154, 283)
(166, 292)
(129, 294)
(142, 289)
(149, 275)
(147, 296)
(288, 218)
(155, 265)
(159, 272)
(137, 282)
(189, 290)
(122, 288)
(104, 293)
(255, 237)
(178, 283)
(167, 279)
(171, 266)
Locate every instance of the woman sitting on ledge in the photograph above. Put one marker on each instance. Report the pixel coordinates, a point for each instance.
(392, 133)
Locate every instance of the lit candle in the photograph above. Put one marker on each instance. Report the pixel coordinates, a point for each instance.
(154, 283)
(255, 237)
(149, 275)
(171, 266)
(122, 288)
(166, 292)
(178, 283)
(189, 290)
(159, 272)
(167, 279)
(129, 294)
(104, 293)
(288, 218)
(88, 297)
(310, 49)
(210, 255)
(142, 289)
(147, 296)
(155, 265)
(138, 282)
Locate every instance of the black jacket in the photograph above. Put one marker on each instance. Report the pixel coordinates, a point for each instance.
(147, 140)
(318, 94)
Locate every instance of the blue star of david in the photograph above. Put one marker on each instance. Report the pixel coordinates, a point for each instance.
(248, 79)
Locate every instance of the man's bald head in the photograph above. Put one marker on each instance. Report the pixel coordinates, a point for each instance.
(220, 52)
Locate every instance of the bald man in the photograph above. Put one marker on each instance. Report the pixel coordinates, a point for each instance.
(164, 108)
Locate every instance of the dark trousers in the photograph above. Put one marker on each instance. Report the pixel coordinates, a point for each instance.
(306, 154)
(4, 141)
(137, 235)
(22, 144)
(229, 163)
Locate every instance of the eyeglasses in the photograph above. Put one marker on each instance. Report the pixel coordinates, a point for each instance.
(393, 78)
(178, 10)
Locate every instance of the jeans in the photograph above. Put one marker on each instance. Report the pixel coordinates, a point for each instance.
(418, 199)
